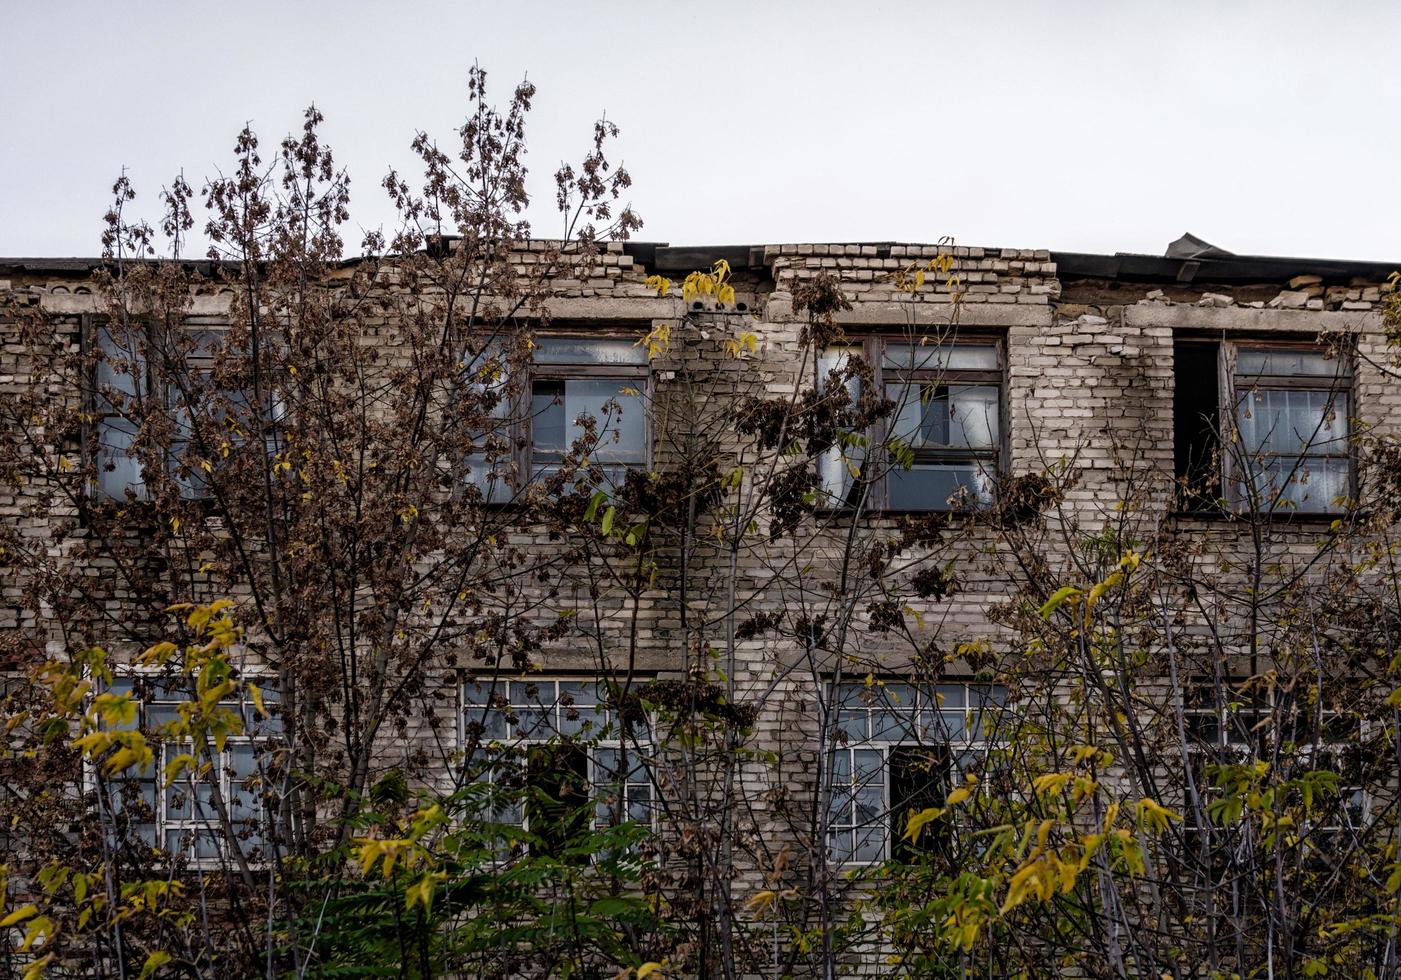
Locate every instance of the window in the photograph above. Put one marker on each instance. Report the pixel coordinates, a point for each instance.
(123, 382)
(1291, 411)
(607, 379)
(487, 376)
(559, 740)
(604, 379)
(1226, 726)
(901, 748)
(207, 418)
(944, 436)
(1288, 407)
(182, 819)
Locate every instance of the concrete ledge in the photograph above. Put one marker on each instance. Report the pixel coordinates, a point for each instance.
(1245, 319)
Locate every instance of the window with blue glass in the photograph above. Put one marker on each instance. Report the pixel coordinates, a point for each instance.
(943, 437)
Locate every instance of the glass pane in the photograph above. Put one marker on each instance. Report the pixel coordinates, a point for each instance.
(1289, 361)
(939, 486)
(937, 416)
(838, 466)
(477, 710)
(117, 470)
(547, 418)
(935, 356)
(921, 414)
(584, 716)
(1290, 420)
(615, 405)
(973, 416)
(488, 477)
(585, 350)
(1299, 483)
(895, 716)
(618, 409)
(534, 707)
(122, 367)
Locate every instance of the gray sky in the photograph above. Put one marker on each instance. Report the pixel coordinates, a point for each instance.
(1265, 128)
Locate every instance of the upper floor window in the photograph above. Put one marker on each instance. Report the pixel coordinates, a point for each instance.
(901, 748)
(1263, 427)
(606, 380)
(571, 379)
(944, 435)
(145, 370)
(563, 751)
(183, 819)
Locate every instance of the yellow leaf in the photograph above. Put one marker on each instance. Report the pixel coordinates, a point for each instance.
(257, 696)
(916, 824)
(18, 916)
(35, 969)
(420, 892)
(647, 969)
(1154, 816)
(153, 963)
(176, 766)
(1057, 599)
(757, 903)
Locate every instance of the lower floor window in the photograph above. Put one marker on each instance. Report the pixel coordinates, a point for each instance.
(559, 750)
(183, 819)
(901, 748)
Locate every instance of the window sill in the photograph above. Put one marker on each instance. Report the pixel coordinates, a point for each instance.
(1304, 519)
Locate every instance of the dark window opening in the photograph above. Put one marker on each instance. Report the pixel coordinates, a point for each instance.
(919, 780)
(1196, 408)
(557, 806)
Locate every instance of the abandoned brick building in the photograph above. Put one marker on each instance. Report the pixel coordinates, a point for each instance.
(1117, 374)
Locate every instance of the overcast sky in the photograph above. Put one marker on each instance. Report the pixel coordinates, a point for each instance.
(1265, 128)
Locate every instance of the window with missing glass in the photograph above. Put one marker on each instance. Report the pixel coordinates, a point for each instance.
(1262, 427)
(558, 746)
(183, 819)
(943, 439)
(902, 748)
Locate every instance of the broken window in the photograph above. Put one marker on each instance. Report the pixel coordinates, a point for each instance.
(901, 749)
(558, 741)
(1261, 428)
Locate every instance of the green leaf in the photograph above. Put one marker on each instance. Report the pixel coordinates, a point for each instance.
(598, 500)
(608, 520)
(1058, 599)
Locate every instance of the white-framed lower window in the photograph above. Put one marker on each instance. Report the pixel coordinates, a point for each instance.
(557, 739)
(900, 747)
(1227, 727)
(181, 819)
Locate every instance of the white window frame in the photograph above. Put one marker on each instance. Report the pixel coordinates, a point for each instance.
(474, 695)
(1230, 750)
(920, 729)
(164, 750)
